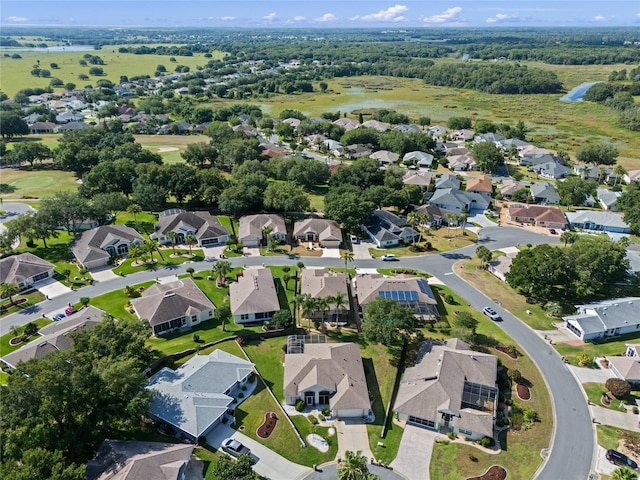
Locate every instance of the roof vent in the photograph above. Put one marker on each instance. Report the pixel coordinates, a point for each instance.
(169, 294)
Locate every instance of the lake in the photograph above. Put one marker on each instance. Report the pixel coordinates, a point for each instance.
(576, 93)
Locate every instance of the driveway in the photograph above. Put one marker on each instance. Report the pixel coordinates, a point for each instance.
(602, 465)
(361, 250)
(614, 418)
(213, 252)
(52, 288)
(352, 435)
(591, 375)
(268, 463)
(103, 274)
(331, 252)
(414, 453)
(481, 219)
(251, 251)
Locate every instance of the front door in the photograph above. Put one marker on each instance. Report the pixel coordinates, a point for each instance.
(310, 398)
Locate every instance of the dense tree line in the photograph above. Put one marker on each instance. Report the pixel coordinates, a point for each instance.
(580, 271)
(620, 97)
(629, 203)
(56, 410)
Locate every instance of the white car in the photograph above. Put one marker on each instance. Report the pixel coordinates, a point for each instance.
(491, 313)
(389, 257)
(234, 447)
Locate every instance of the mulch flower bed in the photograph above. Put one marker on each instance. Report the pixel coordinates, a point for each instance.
(7, 306)
(269, 424)
(524, 393)
(496, 472)
(506, 351)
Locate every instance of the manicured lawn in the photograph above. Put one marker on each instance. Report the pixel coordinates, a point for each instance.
(127, 267)
(268, 357)
(114, 302)
(59, 253)
(521, 457)
(229, 223)
(498, 290)
(37, 183)
(209, 458)
(441, 241)
(392, 272)
(142, 222)
(608, 436)
(6, 348)
(616, 346)
(285, 295)
(32, 298)
(311, 455)
(594, 393)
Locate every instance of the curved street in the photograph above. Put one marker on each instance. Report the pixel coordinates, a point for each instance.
(572, 446)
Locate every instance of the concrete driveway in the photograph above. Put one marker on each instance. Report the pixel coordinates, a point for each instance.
(268, 463)
(361, 250)
(414, 453)
(602, 465)
(591, 375)
(352, 436)
(52, 288)
(103, 274)
(331, 252)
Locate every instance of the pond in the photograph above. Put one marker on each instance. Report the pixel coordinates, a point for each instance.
(576, 93)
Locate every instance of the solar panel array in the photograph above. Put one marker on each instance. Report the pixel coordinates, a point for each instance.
(400, 295)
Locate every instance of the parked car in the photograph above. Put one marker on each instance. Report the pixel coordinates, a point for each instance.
(234, 447)
(58, 316)
(69, 311)
(389, 257)
(491, 313)
(355, 240)
(620, 459)
(552, 231)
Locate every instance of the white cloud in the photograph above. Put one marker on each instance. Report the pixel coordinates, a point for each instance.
(327, 17)
(17, 19)
(391, 14)
(227, 19)
(448, 16)
(299, 18)
(502, 17)
(599, 18)
(271, 17)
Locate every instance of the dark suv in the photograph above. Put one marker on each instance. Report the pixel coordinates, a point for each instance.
(620, 459)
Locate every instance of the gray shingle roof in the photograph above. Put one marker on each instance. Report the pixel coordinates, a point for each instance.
(320, 283)
(252, 225)
(608, 219)
(204, 224)
(254, 292)
(18, 268)
(89, 246)
(326, 229)
(606, 315)
(161, 303)
(192, 397)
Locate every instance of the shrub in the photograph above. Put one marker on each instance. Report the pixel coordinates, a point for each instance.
(618, 387)
(202, 440)
(487, 442)
(241, 395)
(449, 299)
(312, 419)
(635, 410)
(196, 337)
(243, 388)
(473, 458)
(321, 417)
(516, 376)
(300, 405)
(326, 412)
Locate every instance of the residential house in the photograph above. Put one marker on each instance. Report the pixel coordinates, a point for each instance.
(597, 220)
(70, 117)
(605, 319)
(508, 186)
(132, 460)
(463, 135)
(248, 130)
(447, 181)
(346, 123)
(25, 270)
(328, 374)
(55, 336)
(519, 144)
(407, 128)
(95, 248)
(588, 172)
(385, 157)
(200, 394)
(481, 185)
(421, 179)
(326, 232)
(632, 176)
(321, 283)
(418, 158)
(532, 150)
(376, 125)
(39, 128)
(537, 215)
(73, 126)
(438, 131)
(459, 163)
(494, 138)
(294, 122)
(411, 292)
(449, 147)
(173, 306)
(356, 151)
(206, 228)
(253, 296)
(272, 150)
(453, 150)
(387, 229)
(551, 170)
(450, 389)
(458, 201)
(608, 198)
(501, 265)
(544, 193)
(627, 367)
(250, 232)
(435, 216)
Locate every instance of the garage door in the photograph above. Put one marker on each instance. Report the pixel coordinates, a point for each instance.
(421, 422)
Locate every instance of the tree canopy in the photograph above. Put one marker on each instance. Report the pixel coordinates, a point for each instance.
(386, 321)
(597, 153)
(488, 156)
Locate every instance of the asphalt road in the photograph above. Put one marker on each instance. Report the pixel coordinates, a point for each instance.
(572, 449)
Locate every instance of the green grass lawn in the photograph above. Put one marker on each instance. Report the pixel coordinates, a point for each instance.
(616, 346)
(441, 241)
(594, 392)
(392, 272)
(6, 348)
(32, 298)
(608, 436)
(130, 265)
(37, 183)
(114, 302)
(521, 457)
(209, 458)
(285, 295)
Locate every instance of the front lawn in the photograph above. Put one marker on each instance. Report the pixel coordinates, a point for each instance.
(594, 393)
(114, 302)
(392, 272)
(6, 348)
(608, 436)
(166, 261)
(441, 240)
(32, 298)
(611, 347)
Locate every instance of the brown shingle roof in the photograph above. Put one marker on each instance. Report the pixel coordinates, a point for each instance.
(320, 283)
(480, 184)
(254, 292)
(18, 268)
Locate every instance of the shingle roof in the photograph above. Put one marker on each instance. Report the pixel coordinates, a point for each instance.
(89, 246)
(205, 224)
(192, 397)
(539, 213)
(252, 225)
(326, 229)
(370, 286)
(385, 156)
(161, 303)
(627, 367)
(130, 460)
(320, 283)
(545, 190)
(598, 217)
(480, 184)
(336, 366)
(254, 292)
(18, 268)
(607, 315)
(422, 179)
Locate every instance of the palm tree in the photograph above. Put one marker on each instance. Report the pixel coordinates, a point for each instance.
(308, 305)
(568, 237)
(286, 277)
(9, 289)
(134, 251)
(266, 231)
(451, 217)
(149, 247)
(624, 473)
(297, 301)
(484, 254)
(463, 218)
(620, 172)
(190, 240)
(414, 219)
(135, 209)
(173, 236)
(15, 331)
(221, 269)
(354, 467)
(347, 256)
(339, 300)
(324, 304)
(553, 309)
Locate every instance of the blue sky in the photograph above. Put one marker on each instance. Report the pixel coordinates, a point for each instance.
(322, 13)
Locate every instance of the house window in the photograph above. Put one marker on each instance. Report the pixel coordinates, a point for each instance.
(194, 318)
(40, 276)
(260, 315)
(184, 321)
(244, 316)
(210, 313)
(465, 432)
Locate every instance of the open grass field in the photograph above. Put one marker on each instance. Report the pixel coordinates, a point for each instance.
(35, 184)
(169, 146)
(520, 449)
(15, 74)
